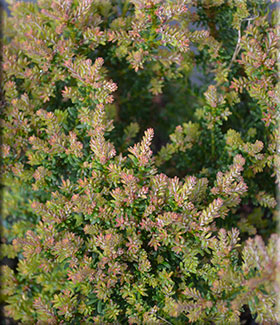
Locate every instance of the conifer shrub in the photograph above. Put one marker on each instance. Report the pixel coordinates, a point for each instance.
(103, 230)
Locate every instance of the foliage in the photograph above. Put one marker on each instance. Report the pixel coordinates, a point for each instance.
(104, 230)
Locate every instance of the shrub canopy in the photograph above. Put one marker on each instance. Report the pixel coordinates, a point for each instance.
(103, 229)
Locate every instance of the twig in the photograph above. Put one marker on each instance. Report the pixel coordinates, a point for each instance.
(166, 321)
(238, 47)
(251, 18)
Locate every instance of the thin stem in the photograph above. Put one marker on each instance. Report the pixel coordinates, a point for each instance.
(166, 321)
(212, 143)
(238, 47)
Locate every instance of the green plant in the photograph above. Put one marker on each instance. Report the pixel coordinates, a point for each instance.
(102, 234)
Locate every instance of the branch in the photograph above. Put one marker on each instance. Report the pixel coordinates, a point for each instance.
(238, 47)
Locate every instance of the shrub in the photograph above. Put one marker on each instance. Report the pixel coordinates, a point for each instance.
(105, 231)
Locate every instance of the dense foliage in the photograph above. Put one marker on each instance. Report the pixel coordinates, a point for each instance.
(104, 230)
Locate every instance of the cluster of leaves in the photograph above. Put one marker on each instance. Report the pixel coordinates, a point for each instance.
(238, 114)
(103, 230)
